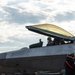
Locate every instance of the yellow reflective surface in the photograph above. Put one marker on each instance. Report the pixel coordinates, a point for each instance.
(53, 28)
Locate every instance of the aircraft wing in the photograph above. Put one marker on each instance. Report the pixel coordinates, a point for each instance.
(51, 30)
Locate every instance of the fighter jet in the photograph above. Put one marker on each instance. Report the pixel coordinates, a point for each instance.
(41, 58)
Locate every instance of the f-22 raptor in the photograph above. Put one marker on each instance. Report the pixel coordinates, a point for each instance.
(44, 58)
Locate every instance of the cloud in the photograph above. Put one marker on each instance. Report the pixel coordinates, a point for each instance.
(15, 37)
(38, 11)
(14, 16)
(14, 33)
(5, 2)
(20, 43)
(9, 30)
(1, 15)
(64, 17)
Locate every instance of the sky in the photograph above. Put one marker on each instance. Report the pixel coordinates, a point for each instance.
(15, 15)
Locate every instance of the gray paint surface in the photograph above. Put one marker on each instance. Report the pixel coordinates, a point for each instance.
(42, 51)
(43, 58)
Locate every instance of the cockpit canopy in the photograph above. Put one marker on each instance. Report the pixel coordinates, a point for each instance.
(51, 30)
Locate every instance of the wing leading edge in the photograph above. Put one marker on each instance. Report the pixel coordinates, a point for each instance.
(51, 30)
